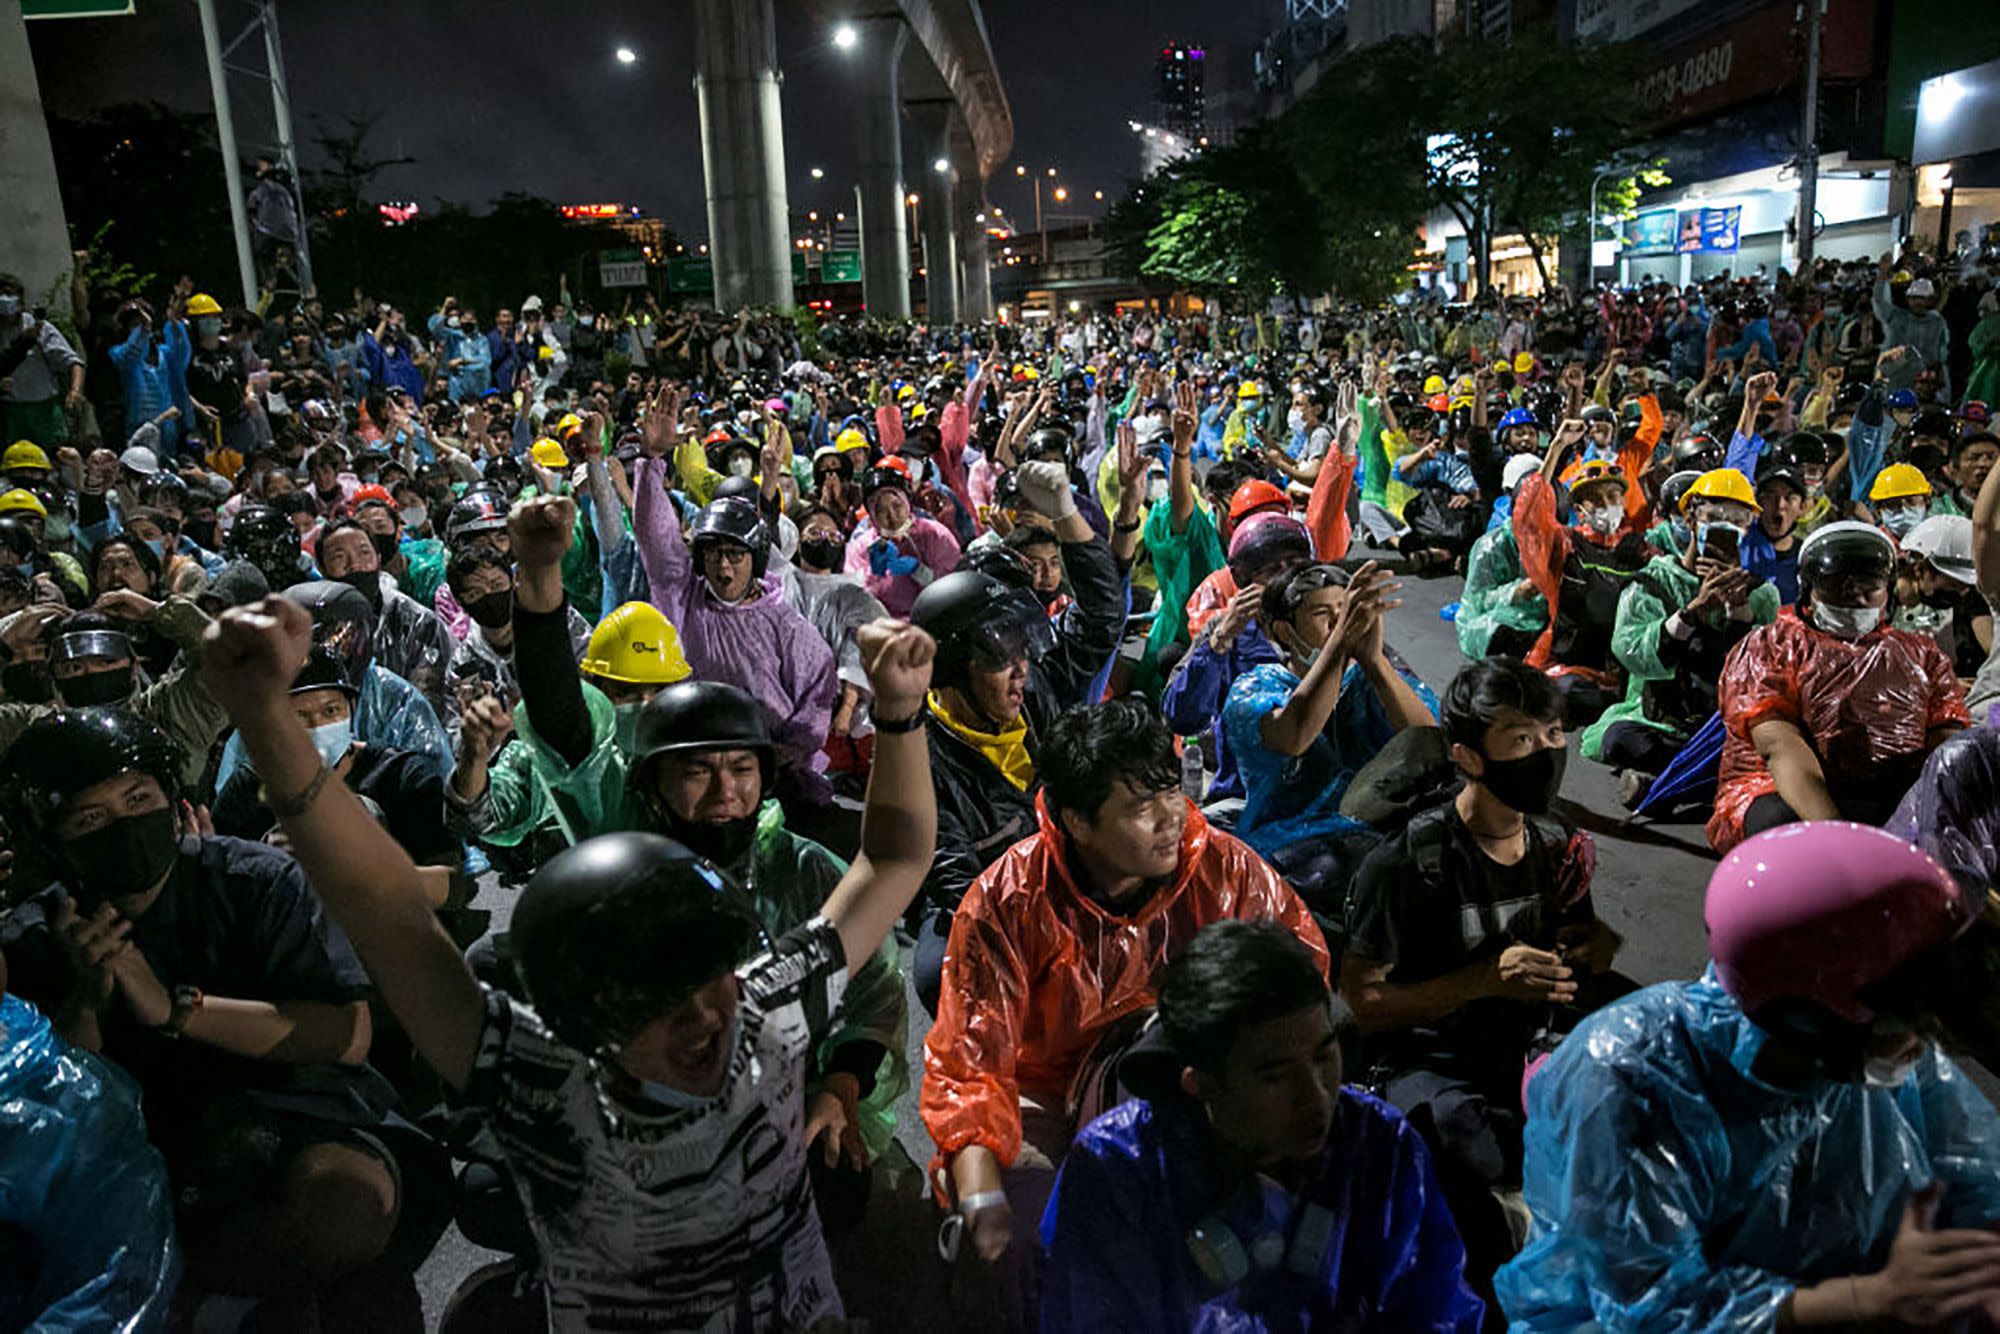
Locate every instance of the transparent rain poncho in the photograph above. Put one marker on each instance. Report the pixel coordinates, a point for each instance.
(1674, 1190)
(80, 1180)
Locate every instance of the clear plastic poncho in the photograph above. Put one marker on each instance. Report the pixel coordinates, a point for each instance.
(79, 1178)
(391, 713)
(1674, 1190)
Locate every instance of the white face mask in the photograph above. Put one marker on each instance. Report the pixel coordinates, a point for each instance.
(1883, 1074)
(1296, 419)
(1606, 518)
(741, 466)
(1156, 487)
(1846, 622)
(1901, 521)
(414, 517)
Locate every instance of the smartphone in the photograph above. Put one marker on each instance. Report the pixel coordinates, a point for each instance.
(1723, 544)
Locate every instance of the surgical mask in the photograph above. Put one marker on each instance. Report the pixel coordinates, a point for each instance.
(1606, 518)
(152, 544)
(625, 725)
(94, 688)
(1528, 784)
(332, 740)
(668, 1096)
(1296, 421)
(1681, 533)
(415, 517)
(1878, 1073)
(492, 610)
(742, 466)
(56, 526)
(209, 326)
(10, 306)
(1901, 521)
(587, 321)
(127, 856)
(1156, 487)
(452, 323)
(1845, 622)
(826, 553)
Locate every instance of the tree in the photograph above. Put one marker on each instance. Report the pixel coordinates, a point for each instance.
(336, 195)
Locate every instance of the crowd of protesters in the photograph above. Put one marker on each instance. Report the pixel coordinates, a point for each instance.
(1014, 714)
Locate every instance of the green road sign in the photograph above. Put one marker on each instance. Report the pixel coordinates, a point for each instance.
(74, 9)
(690, 273)
(840, 266)
(798, 267)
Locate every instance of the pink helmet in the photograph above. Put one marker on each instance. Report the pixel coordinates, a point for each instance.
(1263, 540)
(1819, 911)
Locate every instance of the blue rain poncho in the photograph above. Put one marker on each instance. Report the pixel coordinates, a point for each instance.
(1674, 1190)
(391, 713)
(1132, 1188)
(80, 1180)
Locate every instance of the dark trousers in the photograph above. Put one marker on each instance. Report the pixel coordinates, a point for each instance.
(1767, 812)
(1637, 746)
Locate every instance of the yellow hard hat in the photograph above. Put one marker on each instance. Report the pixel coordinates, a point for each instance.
(201, 303)
(1250, 389)
(547, 353)
(567, 423)
(1434, 384)
(548, 453)
(1721, 484)
(850, 439)
(17, 499)
(24, 454)
(1523, 362)
(637, 645)
(1897, 481)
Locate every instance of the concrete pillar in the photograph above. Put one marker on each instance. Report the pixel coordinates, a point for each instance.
(743, 152)
(974, 259)
(34, 236)
(935, 198)
(876, 96)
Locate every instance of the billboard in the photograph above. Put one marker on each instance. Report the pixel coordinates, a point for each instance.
(1703, 231)
(621, 268)
(1651, 233)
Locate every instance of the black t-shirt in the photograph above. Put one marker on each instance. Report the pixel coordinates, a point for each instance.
(1429, 902)
(237, 920)
(407, 785)
(216, 379)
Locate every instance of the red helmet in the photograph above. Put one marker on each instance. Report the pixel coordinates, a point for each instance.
(1817, 912)
(1254, 495)
(374, 491)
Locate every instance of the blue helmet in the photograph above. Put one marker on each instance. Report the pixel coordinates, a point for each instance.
(1903, 398)
(1518, 417)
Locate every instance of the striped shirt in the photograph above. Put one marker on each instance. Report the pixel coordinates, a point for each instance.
(673, 1218)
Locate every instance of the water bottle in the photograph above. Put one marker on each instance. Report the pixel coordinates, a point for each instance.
(1193, 781)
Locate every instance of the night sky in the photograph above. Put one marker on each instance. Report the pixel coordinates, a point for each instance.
(498, 96)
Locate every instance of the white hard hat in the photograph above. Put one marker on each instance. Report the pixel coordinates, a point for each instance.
(1945, 540)
(532, 303)
(1517, 469)
(141, 460)
(1148, 429)
(1921, 287)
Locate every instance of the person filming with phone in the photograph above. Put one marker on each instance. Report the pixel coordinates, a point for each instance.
(1676, 624)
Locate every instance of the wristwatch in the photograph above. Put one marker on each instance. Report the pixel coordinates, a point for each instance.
(186, 1001)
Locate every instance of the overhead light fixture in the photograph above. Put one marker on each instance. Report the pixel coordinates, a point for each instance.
(845, 37)
(818, 174)
(626, 55)
(940, 166)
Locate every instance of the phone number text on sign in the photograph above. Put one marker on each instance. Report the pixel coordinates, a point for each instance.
(1697, 74)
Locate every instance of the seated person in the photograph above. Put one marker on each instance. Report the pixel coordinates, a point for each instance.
(1005, 672)
(410, 639)
(1263, 547)
(1780, 1144)
(201, 965)
(1582, 569)
(838, 606)
(483, 582)
(124, 564)
(1251, 497)
(1676, 625)
(661, 1026)
(1937, 592)
(1301, 730)
(1167, 1207)
(1771, 546)
(1830, 711)
(1500, 611)
(1040, 552)
(86, 1220)
(896, 550)
(407, 786)
(1056, 944)
(1470, 934)
(1446, 514)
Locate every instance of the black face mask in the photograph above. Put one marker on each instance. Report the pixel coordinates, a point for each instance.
(27, 683)
(93, 688)
(492, 610)
(725, 844)
(1942, 599)
(824, 553)
(125, 857)
(368, 583)
(385, 546)
(1528, 784)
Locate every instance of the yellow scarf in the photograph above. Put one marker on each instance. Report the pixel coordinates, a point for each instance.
(1008, 750)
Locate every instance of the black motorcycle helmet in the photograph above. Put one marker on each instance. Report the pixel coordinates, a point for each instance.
(695, 716)
(267, 538)
(616, 931)
(1805, 449)
(732, 519)
(479, 511)
(17, 535)
(1846, 547)
(1701, 452)
(343, 624)
(739, 488)
(323, 671)
(981, 618)
(1597, 412)
(62, 753)
(1053, 443)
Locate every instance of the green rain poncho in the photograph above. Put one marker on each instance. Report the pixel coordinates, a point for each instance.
(1180, 562)
(1496, 594)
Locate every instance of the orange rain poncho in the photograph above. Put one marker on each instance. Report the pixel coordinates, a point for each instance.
(1867, 707)
(1036, 972)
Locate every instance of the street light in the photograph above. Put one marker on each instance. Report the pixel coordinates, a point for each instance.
(1061, 194)
(845, 37)
(626, 55)
(1099, 194)
(940, 166)
(1052, 171)
(1020, 171)
(818, 174)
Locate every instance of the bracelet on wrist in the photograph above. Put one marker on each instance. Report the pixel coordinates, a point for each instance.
(979, 1201)
(895, 726)
(300, 804)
